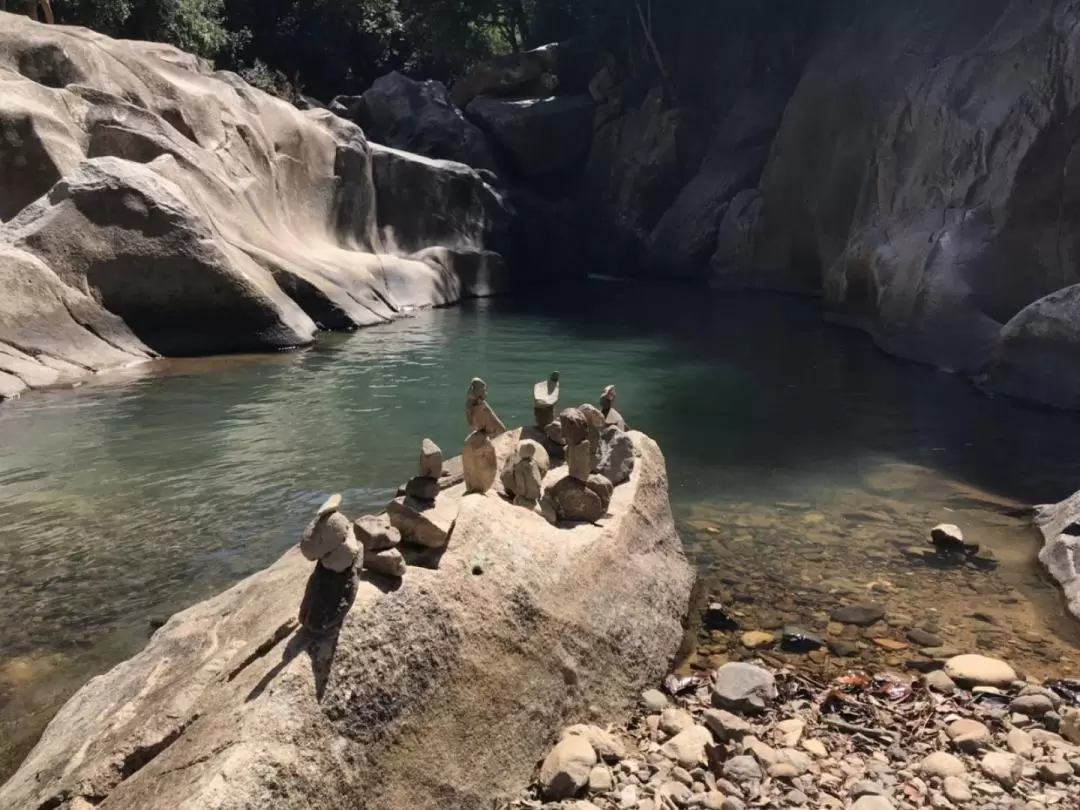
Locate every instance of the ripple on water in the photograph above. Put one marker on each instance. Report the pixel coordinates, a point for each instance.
(802, 464)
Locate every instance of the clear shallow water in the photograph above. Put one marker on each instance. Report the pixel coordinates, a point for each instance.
(132, 498)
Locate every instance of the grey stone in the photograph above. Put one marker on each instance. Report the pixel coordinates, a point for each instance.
(942, 764)
(1005, 768)
(324, 534)
(674, 720)
(687, 748)
(566, 770)
(1019, 742)
(343, 557)
(940, 682)
(579, 460)
(431, 460)
(969, 735)
(479, 462)
(388, 563)
(600, 779)
(733, 803)
(743, 687)
(1032, 705)
(418, 523)
(423, 489)
(539, 136)
(873, 803)
(655, 701)
(375, 533)
(862, 615)
(725, 725)
(607, 746)
(1053, 772)
(575, 501)
(956, 790)
(742, 769)
(867, 788)
(545, 399)
(616, 455)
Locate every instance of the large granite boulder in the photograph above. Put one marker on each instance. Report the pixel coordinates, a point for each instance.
(540, 136)
(418, 116)
(151, 205)
(922, 177)
(442, 690)
(1060, 527)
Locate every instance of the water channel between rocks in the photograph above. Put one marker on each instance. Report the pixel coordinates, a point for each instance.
(806, 469)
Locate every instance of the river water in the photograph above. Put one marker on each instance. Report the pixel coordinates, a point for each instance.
(806, 469)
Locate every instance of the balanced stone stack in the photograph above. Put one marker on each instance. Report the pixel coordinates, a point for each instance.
(425, 486)
(478, 460)
(523, 477)
(607, 407)
(380, 541)
(545, 399)
(330, 542)
(580, 496)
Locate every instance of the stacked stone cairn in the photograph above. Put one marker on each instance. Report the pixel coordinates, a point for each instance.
(580, 496)
(523, 477)
(478, 459)
(607, 407)
(329, 541)
(616, 448)
(425, 486)
(380, 541)
(545, 400)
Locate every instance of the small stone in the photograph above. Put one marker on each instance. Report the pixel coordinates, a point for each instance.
(324, 534)
(1032, 705)
(956, 790)
(600, 779)
(969, 735)
(1005, 768)
(979, 670)
(921, 638)
(947, 537)
(422, 489)
(688, 747)
(862, 615)
(431, 460)
(796, 798)
(938, 681)
(867, 788)
(799, 761)
(628, 797)
(682, 775)
(873, 803)
(756, 640)
(418, 523)
(816, 748)
(1019, 742)
(783, 770)
(1070, 725)
(742, 769)
(725, 725)
(890, 644)
(1055, 772)
(842, 648)
(606, 745)
(330, 505)
(375, 533)
(714, 800)
(567, 768)
(765, 754)
(388, 563)
(676, 792)
(654, 700)
(743, 688)
(343, 557)
(942, 764)
(674, 720)
(792, 731)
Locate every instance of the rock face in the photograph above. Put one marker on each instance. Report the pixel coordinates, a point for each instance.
(1061, 548)
(152, 206)
(541, 136)
(920, 182)
(420, 117)
(227, 707)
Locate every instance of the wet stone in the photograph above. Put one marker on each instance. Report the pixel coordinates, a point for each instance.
(862, 615)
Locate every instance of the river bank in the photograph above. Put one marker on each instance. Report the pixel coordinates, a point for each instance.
(973, 734)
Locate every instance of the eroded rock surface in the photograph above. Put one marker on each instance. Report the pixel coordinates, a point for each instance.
(229, 707)
(152, 206)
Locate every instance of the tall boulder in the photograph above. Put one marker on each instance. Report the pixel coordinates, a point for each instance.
(443, 691)
(1059, 524)
(540, 136)
(418, 116)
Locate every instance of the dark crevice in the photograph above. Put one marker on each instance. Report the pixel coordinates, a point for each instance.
(264, 649)
(145, 754)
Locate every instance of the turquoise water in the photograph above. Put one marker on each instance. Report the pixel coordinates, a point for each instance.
(133, 497)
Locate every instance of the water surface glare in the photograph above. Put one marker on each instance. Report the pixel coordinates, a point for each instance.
(798, 456)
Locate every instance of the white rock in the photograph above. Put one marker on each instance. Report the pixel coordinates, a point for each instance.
(674, 721)
(1070, 725)
(687, 748)
(942, 764)
(655, 701)
(743, 687)
(792, 731)
(607, 746)
(1005, 768)
(816, 748)
(979, 670)
(567, 768)
(1019, 742)
(628, 797)
(956, 790)
(600, 779)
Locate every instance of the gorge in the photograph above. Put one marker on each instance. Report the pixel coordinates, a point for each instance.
(904, 166)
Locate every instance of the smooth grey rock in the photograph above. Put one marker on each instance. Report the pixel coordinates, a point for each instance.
(743, 688)
(940, 682)
(431, 460)
(742, 769)
(725, 725)
(1006, 769)
(388, 563)
(422, 489)
(1032, 705)
(859, 615)
(654, 700)
(1054, 772)
(375, 533)
(324, 534)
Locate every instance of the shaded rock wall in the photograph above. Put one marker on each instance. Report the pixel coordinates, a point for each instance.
(440, 692)
(152, 206)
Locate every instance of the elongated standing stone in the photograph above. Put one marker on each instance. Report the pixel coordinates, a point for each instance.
(478, 460)
(607, 407)
(545, 399)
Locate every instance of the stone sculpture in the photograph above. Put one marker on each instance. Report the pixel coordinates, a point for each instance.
(595, 420)
(425, 486)
(616, 455)
(478, 460)
(607, 407)
(329, 541)
(380, 541)
(581, 495)
(545, 398)
(524, 476)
